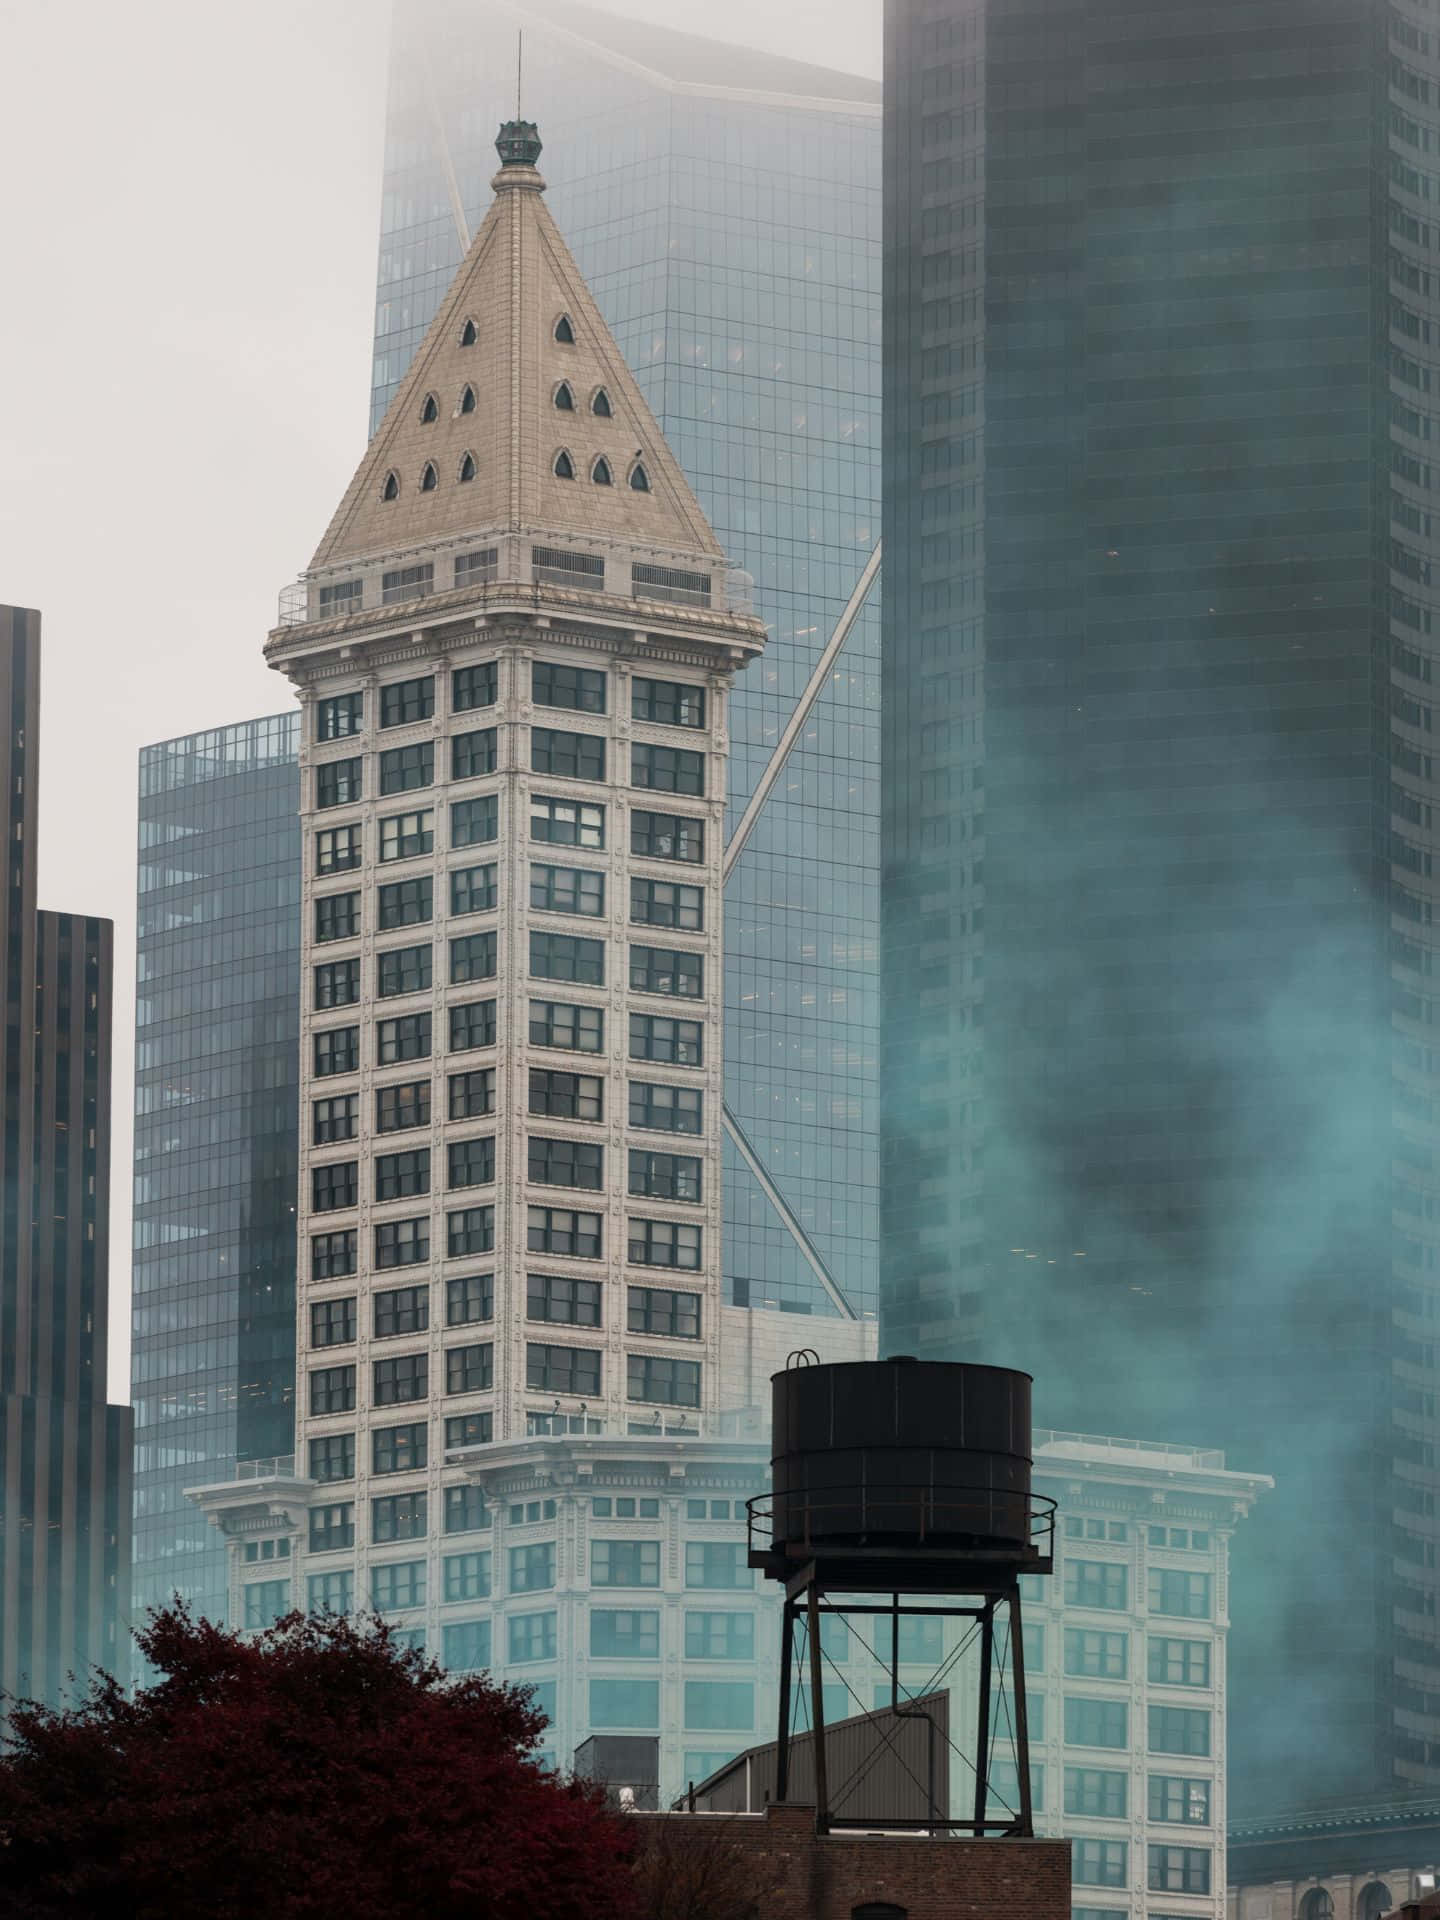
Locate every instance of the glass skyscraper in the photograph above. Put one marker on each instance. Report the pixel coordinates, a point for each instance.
(217, 1040)
(1162, 334)
(724, 207)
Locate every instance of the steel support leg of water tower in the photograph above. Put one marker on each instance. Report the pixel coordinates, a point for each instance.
(782, 1738)
(982, 1731)
(817, 1710)
(1026, 1827)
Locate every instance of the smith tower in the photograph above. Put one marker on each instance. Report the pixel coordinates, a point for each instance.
(518, 1379)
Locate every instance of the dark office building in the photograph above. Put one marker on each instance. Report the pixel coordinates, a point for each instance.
(64, 1454)
(1160, 1098)
(217, 1075)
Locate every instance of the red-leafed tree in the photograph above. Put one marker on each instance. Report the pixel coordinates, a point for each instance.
(319, 1769)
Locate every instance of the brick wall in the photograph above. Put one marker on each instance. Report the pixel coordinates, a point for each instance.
(797, 1874)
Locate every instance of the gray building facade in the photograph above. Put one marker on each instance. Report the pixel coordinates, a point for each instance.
(724, 207)
(64, 1454)
(1160, 1109)
(217, 1070)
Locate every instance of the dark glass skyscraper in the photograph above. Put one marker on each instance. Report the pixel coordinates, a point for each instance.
(217, 1069)
(724, 207)
(64, 1454)
(1160, 1103)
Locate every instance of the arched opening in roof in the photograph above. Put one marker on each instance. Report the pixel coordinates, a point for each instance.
(564, 398)
(600, 472)
(467, 334)
(564, 331)
(390, 487)
(601, 404)
(467, 467)
(564, 466)
(431, 409)
(429, 479)
(639, 478)
(467, 400)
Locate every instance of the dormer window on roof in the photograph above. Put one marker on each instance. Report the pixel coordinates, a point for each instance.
(467, 334)
(467, 467)
(429, 479)
(600, 472)
(390, 488)
(639, 478)
(430, 410)
(564, 466)
(601, 403)
(467, 400)
(564, 331)
(564, 398)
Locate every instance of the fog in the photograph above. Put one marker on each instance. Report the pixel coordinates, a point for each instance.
(190, 210)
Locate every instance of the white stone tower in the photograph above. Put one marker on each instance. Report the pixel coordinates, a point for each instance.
(516, 1378)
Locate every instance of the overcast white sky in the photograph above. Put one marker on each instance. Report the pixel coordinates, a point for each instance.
(189, 198)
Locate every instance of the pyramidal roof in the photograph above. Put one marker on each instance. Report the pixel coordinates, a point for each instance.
(481, 398)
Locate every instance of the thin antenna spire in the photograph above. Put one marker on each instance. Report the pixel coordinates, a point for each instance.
(519, 65)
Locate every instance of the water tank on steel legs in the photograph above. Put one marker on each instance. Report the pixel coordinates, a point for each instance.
(903, 1455)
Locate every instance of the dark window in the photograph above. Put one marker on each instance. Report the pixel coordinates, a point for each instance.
(343, 714)
(1178, 1869)
(663, 1311)
(1179, 1730)
(557, 684)
(467, 399)
(472, 754)
(667, 769)
(470, 1369)
(1096, 1723)
(640, 481)
(577, 1029)
(563, 1300)
(566, 956)
(667, 836)
(332, 1322)
(333, 1255)
(1185, 1594)
(465, 1509)
(665, 1109)
(332, 1390)
(574, 756)
(470, 1230)
(430, 411)
(532, 1637)
(1181, 1799)
(472, 957)
(335, 1186)
(567, 823)
(564, 399)
(564, 331)
(563, 1370)
(337, 916)
(469, 1299)
(665, 970)
(399, 1449)
(471, 1163)
(341, 597)
(332, 1457)
(600, 472)
(1180, 1663)
(338, 849)
(566, 1163)
(403, 769)
(478, 685)
(657, 1036)
(662, 1243)
(338, 782)
(405, 701)
(562, 1230)
(532, 1567)
(402, 1243)
(624, 1563)
(1100, 1793)
(474, 823)
(403, 970)
(631, 1634)
(1096, 1656)
(409, 583)
(467, 334)
(404, 1376)
(337, 983)
(667, 903)
(666, 703)
(567, 1096)
(406, 903)
(668, 583)
(335, 1119)
(402, 1106)
(718, 1636)
(1096, 1583)
(562, 567)
(467, 472)
(337, 1051)
(664, 1176)
(390, 490)
(398, 1516)
(567, 890)
(333, 1527)
(564, 468)
(663, 1381)
(472, 1025)
(401, 1310)
(403, 836)
(474, 889)
(404, 1038)
(1100, 1863)
(472, 1094)
(400, 1176)
(600, 404)
(467, 1430)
